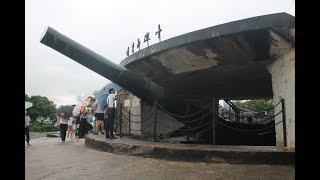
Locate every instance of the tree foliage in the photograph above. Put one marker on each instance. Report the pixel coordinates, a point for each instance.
(26, 97)
(42, 106)
(260, 105)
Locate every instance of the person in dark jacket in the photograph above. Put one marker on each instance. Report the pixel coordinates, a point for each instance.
(84, 126)
(27, 123)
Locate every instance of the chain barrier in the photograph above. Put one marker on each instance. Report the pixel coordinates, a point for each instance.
(184, 130)
(271, 118)
(240, 109)
(190, 115)
(185, 121)
(244, 130)
(143, 128)
(142, 121)
(130, 112)
(199, 125)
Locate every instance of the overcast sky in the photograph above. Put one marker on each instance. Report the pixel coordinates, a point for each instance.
(108, 27)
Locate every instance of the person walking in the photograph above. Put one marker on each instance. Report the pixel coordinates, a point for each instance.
(74, 127)
(111, 113)
(77, 127)
(84, 126)
(70, 129)
(26, 127)
(62, 122)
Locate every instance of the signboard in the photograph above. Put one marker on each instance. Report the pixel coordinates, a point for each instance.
(127, 103)
(135, 102)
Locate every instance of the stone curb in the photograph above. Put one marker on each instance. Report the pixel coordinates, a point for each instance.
(194, 155)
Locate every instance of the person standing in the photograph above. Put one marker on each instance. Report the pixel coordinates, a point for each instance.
(111, 113)
(26, 127)
(98, 113)
(63, 124)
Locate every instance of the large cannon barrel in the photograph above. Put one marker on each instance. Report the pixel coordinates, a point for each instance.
(134, 83)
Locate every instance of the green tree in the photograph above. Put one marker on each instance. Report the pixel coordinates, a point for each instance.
(42, 106)
(26, 97)
(259, 105)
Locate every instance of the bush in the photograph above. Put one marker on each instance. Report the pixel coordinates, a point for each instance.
(35, 128)
(48, 128)
(39, 127)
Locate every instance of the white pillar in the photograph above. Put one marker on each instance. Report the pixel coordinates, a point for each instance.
(136, 110)
(283, 86)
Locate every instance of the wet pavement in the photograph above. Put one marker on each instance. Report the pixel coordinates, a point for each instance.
(47, 158)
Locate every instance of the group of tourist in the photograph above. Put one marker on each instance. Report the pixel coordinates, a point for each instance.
(105, 115)
(80, 125)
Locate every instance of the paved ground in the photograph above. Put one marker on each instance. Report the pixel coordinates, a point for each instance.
(37, 134)
(47, 158)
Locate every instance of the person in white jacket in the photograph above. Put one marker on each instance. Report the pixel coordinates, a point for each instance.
(26, 127)
(70, 129)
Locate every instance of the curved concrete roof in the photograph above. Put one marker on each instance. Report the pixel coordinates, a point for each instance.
(224, 61)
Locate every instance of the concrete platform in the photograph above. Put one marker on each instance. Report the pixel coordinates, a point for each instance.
(194, 152)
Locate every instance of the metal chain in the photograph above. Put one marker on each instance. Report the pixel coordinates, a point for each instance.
(184, 121)
(265, 120)
(164, 117)
(197, 127)
(254, 130)
(143, 120)
(269, 119)
(143, 128)
(240, 109)
(130, 112)
(185, 115)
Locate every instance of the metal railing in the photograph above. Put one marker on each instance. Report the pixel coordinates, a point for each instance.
(197, 121)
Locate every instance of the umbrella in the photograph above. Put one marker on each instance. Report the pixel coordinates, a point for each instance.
(101, 95)
(82, 104)
(67, 110)
(28, 104)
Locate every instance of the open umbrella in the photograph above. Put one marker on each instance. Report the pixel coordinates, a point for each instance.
(101, 95)
(82, 104)
(67, 110)
(28, 104)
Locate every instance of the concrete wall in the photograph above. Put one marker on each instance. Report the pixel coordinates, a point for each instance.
(132, 104)
(145, 110)
(283, 85)
(164, 119)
